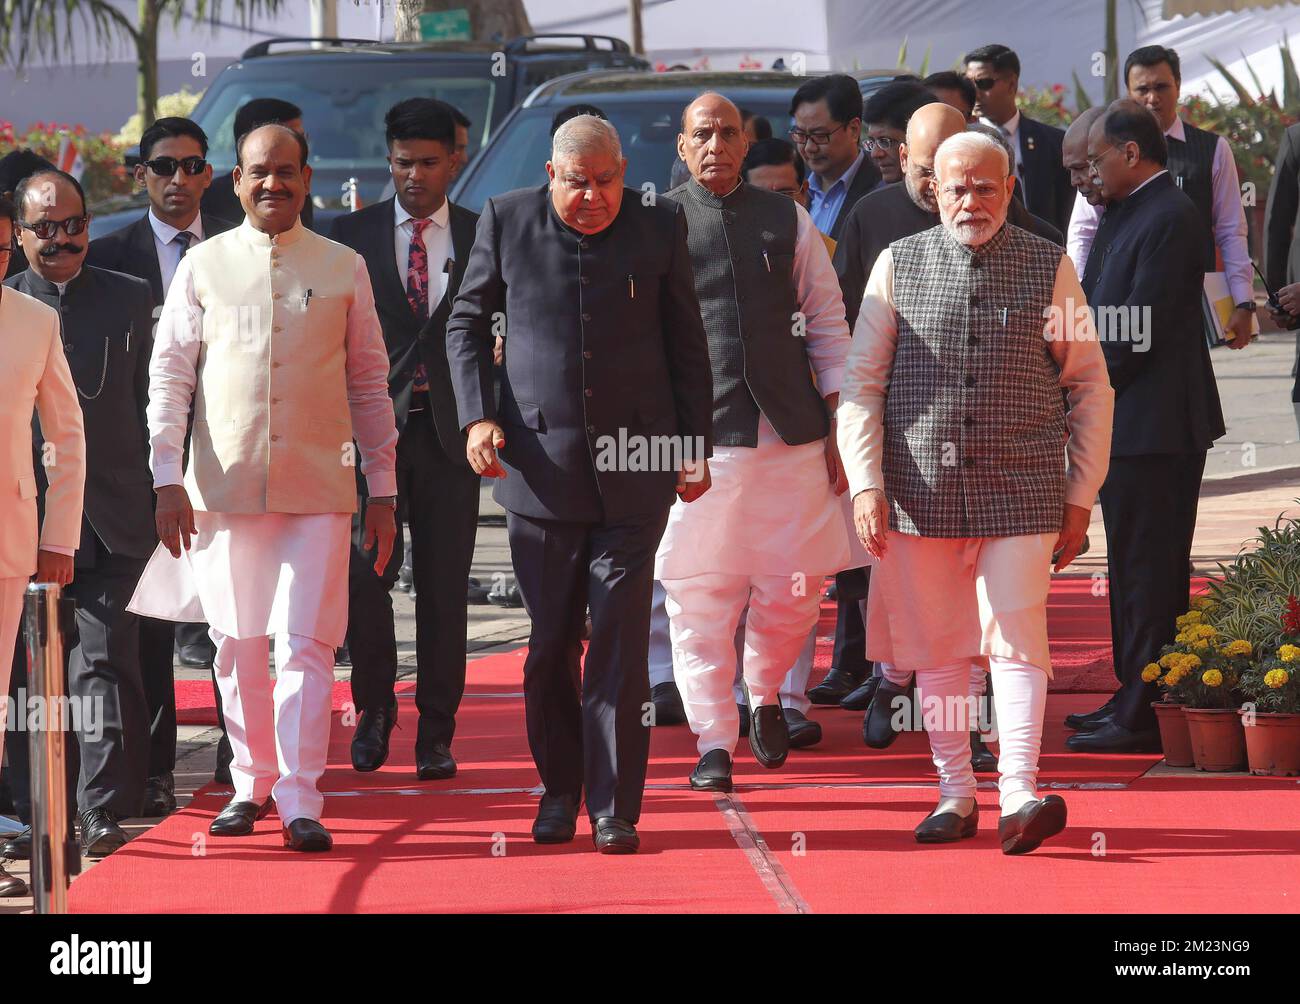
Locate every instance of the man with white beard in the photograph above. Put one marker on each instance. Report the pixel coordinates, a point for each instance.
(951, 430)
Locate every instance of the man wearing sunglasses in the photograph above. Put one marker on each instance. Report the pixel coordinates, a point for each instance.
(175, 172)
(827, 131)
(106, 333)
(1043, 184)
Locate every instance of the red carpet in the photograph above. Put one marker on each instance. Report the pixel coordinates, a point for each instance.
(831, 831)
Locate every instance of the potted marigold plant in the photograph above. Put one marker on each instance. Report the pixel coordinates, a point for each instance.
(1212, 700)
(1271, 714)
(1174, 674)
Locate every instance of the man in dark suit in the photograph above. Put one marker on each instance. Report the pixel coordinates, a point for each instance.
(174, 171)
(416, 246)
(1143, 281)
(220, 199)
(1043, 183)
(107, 337)
(827, 113)
(1282, 243)
(605, 350)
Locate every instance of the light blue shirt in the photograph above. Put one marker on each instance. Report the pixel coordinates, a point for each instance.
(824, 207)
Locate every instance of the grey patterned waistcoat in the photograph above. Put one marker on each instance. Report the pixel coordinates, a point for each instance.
(742, 252)
(974, 416)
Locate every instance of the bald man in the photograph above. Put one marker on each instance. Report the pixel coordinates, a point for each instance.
(771, 527)
(1074, 157)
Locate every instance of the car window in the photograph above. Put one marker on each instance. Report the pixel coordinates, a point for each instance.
(648, 131)
(344, 106)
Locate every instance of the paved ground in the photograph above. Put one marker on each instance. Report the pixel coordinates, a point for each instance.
(1252, 475)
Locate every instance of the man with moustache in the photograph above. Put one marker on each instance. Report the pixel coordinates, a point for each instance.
(1145, 274)
(771, 528)
(221, 198)
(34, 377)
(107, 333)
(175, 173)
(270, 333)
(1202, 165)
(953, 425)
(604, 344)
(415, 246)
(827, 114)
(1074, 157)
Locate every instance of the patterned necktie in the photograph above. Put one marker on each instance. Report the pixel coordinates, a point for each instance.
(417, 289)
(184, 239)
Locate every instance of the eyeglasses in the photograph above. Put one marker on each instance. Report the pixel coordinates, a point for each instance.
(819, 136)
(982, 190)
(1094, 161)
(882, 143)
(985, 83)
(166, 166)
(45, 229)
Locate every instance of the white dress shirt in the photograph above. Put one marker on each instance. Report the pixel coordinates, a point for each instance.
(1011, 129)
(1227, 215)
(169, 253)
(437, 241)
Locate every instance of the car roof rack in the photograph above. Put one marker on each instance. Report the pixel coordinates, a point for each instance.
(588, 41)
(263, 47)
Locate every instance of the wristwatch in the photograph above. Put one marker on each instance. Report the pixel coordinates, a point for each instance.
(388, 501)
(1250, 305)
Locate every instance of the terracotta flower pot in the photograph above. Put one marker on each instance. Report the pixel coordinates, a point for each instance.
(1273, 744)
(1218, 739)
(1174, 737)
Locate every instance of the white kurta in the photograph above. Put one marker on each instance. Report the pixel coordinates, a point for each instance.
(251, 575)
(771, 509)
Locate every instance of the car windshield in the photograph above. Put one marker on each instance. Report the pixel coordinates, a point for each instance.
(344, 103)
(648, 130)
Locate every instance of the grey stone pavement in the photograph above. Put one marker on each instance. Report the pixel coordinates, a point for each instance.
(1251, 474)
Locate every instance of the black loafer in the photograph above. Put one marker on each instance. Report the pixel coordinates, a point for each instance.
(12, 885)
(877, 725)
(1112, 737)
(860, 699)
(557, 819)
(100, 834)
(196, 656)
(803, 731)
(307, 835)
(370, 743)
(743, 711)
(1091, 720)
(237, 818)
(434, 763)
(713, 772)
(837, 685)
(1023, 831)
(159, 796)
(982, 759)
(18, 847)
(947, 827)
(612, 835)
(768, 736)
(668, 704)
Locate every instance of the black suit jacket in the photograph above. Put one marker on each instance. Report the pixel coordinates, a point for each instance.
(107, 337)
(221, 201)
(131, 249)
(867, 178)
(1047, 189)
(1149, 253)
(369, 232)
(603, 339)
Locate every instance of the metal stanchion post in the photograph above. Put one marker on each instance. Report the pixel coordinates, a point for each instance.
(54, 854)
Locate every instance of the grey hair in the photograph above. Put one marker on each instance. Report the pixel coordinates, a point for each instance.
(585, 134)
(975, 141)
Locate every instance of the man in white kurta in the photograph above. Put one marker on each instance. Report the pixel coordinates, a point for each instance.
(270, 331)
(970, 475)
(770, 527)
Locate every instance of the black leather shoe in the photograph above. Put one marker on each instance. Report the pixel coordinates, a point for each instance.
(476, 594)
(159, 796)
(713, 772)
(307, 835)
(195, 656)
(557, 819)
(370, 742)
(434, 762)
(100, 834)
(860, 699)
(769, 737)
(1112, 737)
(237, 818)
(877, 726)
(982, 759)
(803, 731)
(668, 704)
(947, 827)
(1090, 721)
(12, 885)
(612, 835)
(18, 847)
(343, 655)
(837, 685)
(743, 711)
(1023, 831)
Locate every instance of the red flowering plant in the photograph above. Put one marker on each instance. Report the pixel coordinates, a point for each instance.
(103, 174)
(1046, 104)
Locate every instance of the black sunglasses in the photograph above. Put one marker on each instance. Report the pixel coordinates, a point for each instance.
(166, 166)
(985, 83)
(45, 229)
